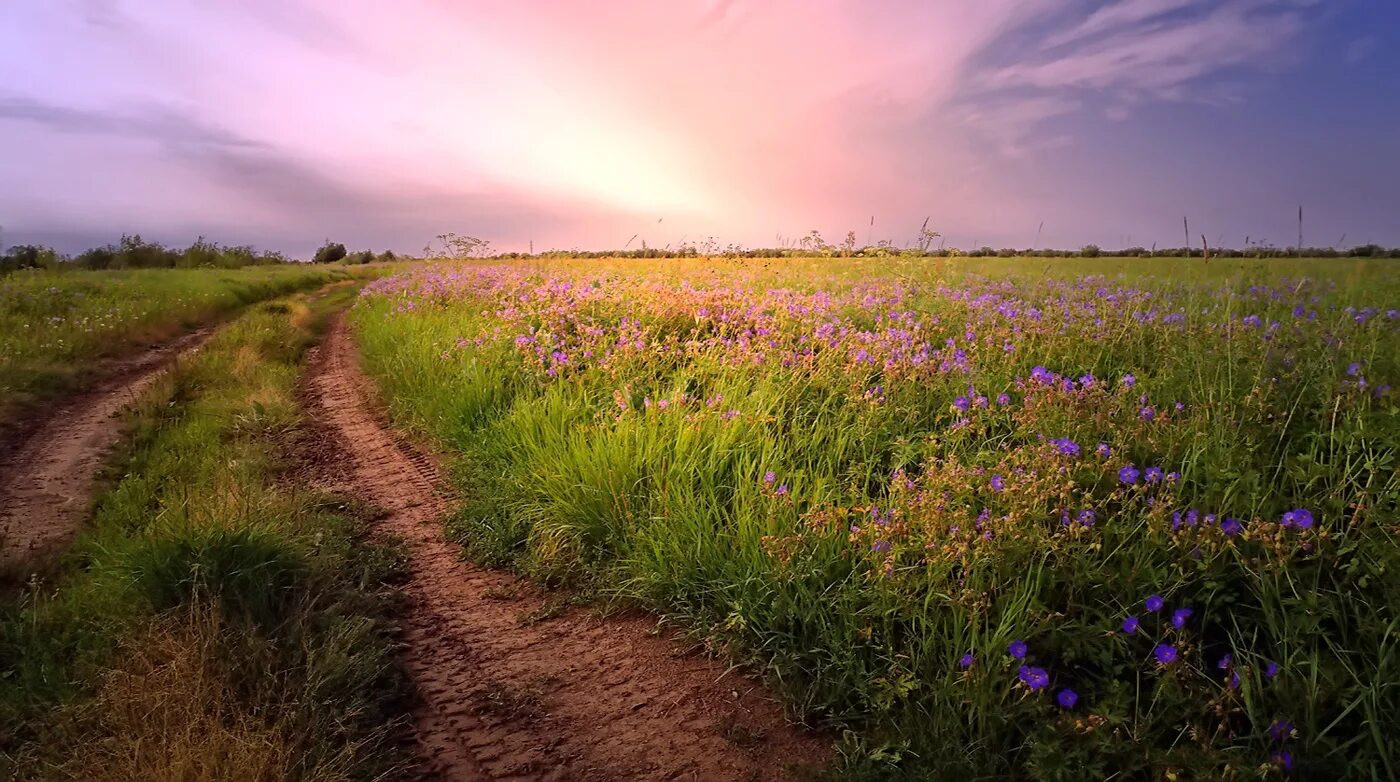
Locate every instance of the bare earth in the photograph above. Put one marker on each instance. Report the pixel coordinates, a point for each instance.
(47, 472)
(512, 689)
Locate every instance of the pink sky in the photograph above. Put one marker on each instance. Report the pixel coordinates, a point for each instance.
(584, 123)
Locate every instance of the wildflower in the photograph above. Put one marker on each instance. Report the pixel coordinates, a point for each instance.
(1271, 670)
(1131, 624)
(1300, 518)
(1003, 399)
(1017, 649)
(1224, 663)
(1086, 517)
(1231, 527)
(1154, 603)
(770, 476)
(1283, 759)
(781, 491)
(1067, 698)
(1166, 654)
(1147, 413)
(1179, 406)
(1153, 474)
(962, 404)
(997, 483)
(1281, 731)
(1129, 475)
(1353, 369)
(966, 661)
(1103, 451)
(880, 546)
(1173, 477)
(1033, 677)
(1129, 381)
(1180, 617)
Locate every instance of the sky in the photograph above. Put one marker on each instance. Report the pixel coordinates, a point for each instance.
(578, 124)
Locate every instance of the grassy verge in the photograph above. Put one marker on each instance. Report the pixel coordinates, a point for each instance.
(217, 621)
(54, 323)
(1005, 519)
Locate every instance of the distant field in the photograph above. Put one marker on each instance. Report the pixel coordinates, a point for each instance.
(53, 324)
(1028, 518)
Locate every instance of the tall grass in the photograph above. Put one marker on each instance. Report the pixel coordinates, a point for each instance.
(217, 621)
(810, 464)
(54, 323)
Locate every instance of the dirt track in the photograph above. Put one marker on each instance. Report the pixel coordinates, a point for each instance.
(47, 473)
(508, 689)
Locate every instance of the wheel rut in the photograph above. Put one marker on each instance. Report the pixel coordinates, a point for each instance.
(510, 688)
(49, 471)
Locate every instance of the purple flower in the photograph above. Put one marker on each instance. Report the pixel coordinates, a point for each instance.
(1017, 649)
(1354, 369)
(1153, 603)
(781, 491)
(1173, 477)
(1129, 475)
(1165, 653)
(1147, 413)
(1281, 731)
(1129, 381)
(1298, 517)
(770, 476)
(1180, 617)
(1131, 624)
(1153, 474)
(880, 546)
(1067, 698)
(1034, 678)
(962, 404)
(1231, 527)
(966, 661)
(1225, 662)
(1283, 759)
(1086, 517)
(1271, 670)
(1003, 399)
(997, 483)
(1103, 451)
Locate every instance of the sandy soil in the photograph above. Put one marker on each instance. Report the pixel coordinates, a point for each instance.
(511, 687)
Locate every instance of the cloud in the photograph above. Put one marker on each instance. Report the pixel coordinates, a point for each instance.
(1140, 49)
(156, 123)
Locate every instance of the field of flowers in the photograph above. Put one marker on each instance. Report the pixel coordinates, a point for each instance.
(1002, 518)
(54, 323)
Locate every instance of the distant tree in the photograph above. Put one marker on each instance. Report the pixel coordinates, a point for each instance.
(359, 258)
(330, 252)
(1089, 251)
(28, 256)
(387, 256)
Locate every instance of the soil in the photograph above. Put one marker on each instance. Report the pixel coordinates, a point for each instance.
(511, 684)
(49, 463)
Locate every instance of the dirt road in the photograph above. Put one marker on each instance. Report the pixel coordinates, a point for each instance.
(513, 690)
(47, 473)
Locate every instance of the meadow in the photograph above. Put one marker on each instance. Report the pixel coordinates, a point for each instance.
(1041, 519)
(55, 323)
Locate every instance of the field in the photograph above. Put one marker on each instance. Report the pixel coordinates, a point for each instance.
(53, 324)
(1002, 518)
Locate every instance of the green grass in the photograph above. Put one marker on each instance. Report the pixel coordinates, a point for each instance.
(580, 477)
(216, 621)
(53, 324)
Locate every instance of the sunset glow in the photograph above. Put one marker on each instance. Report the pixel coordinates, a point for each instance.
(574, 124)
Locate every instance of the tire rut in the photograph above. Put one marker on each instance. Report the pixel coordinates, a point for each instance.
(47, 475)
(509, 687)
